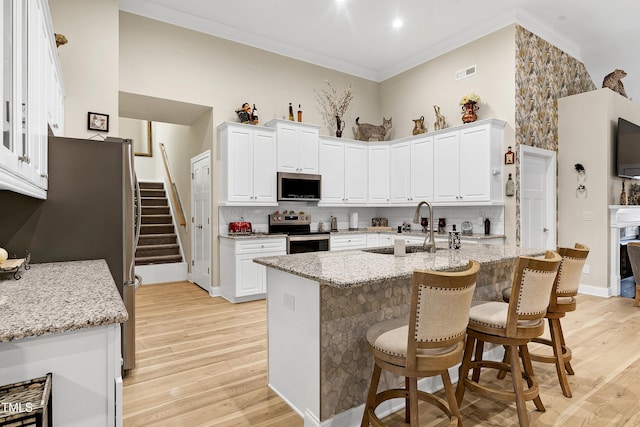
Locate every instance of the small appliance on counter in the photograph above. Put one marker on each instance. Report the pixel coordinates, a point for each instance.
(240, 227)
(466, 228)
(353, 221)
(334, 223)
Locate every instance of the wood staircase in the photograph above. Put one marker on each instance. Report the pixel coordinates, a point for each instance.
(158, 240)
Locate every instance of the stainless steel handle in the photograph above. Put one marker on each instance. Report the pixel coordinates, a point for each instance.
(199, 226)
(24, 159)
(545, 229)
(139, 209)
(44, 175)
(138, 282)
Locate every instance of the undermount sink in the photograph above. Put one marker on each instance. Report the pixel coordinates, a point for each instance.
(388, 250)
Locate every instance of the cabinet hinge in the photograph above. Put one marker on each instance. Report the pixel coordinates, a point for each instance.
(192, 177)
(208, 271)
(193, 262)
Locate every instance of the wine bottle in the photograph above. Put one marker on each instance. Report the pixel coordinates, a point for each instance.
(254, 115)
(290, 112)
(299, 113)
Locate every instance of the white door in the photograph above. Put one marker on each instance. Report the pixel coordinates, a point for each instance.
(201, 220)
(537, 198)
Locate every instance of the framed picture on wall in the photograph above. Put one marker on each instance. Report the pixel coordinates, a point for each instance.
(98, 122)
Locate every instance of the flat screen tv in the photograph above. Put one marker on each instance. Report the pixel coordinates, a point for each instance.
(628, 149)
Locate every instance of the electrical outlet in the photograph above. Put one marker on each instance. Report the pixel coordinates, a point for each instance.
(290, 302)
(587, 216)
(480, 220)
(585, 269)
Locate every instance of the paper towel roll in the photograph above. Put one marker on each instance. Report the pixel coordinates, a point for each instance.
(353, 221)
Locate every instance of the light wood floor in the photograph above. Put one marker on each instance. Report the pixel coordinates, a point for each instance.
(201, 361)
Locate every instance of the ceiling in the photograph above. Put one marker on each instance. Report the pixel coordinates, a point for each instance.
(357, 36)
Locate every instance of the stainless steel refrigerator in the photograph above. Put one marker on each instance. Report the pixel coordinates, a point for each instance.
(90, 213)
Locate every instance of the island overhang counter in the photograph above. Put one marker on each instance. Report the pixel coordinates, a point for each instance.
(320, 305)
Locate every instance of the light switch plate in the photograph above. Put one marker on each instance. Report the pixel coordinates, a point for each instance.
(290, 302)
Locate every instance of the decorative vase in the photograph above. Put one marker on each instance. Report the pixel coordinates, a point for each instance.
(469, 112)
(340, 127)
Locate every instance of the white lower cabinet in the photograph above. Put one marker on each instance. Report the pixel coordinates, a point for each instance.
(241, 279)
(347, 242)
(375, 240)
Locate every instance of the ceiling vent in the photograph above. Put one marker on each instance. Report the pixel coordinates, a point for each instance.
(466, 72)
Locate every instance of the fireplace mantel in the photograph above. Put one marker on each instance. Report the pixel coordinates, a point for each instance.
(620, 216)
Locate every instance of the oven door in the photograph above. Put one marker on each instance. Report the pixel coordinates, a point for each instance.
(307, 243)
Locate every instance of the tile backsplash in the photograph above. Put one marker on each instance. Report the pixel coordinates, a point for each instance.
(259, 216)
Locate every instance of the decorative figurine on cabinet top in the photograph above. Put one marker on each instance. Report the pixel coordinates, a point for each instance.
(246, 115)
(366, 131)
(418, 126)
(440, 122)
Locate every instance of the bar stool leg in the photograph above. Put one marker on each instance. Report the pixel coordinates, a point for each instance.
(518, 387)
(557, 343)
(371, 397)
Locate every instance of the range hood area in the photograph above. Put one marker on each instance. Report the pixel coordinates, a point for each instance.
(299, 187)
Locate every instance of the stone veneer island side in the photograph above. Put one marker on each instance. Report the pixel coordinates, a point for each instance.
(320, 305)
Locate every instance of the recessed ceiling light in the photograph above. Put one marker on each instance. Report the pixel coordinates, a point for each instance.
(397, 23)
(562, 18)
(340, 1)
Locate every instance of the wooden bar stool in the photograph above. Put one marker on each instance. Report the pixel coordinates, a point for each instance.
(426, 345)
(562, 301)
(512, 325)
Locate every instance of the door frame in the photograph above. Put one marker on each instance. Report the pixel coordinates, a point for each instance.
(202, 156)
(550, 189)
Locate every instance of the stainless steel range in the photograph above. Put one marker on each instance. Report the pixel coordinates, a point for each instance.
(297, 227)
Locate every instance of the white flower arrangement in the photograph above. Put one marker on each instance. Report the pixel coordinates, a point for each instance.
(472, 97)
(333, 103)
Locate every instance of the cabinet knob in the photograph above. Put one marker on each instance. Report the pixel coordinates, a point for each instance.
(44, 175)
(55, 126)
(199, 226)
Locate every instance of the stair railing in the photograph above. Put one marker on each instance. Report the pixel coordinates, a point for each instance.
(174, 189)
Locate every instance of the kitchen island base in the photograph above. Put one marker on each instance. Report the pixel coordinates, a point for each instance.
(318, 358)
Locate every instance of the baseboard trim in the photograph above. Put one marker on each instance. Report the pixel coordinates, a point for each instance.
(596, 291)
(162, 273)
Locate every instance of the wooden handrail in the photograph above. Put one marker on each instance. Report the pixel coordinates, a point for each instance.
(174, 189)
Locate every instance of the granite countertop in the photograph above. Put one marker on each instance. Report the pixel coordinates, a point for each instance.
(58, 297)
(261, 235)
(241, 236)
(417, 233)
(344, 269)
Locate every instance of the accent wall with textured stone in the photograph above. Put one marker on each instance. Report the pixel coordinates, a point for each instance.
(544, 73)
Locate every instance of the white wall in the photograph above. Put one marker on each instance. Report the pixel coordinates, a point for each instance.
(89, 61)
(590, 120)
(413, 93)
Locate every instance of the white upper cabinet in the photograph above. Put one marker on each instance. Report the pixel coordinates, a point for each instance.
(248, 161)
(468, 163)
(379, 178)
(297, 146)
(411, 170)
(343, 167)
(31, 84)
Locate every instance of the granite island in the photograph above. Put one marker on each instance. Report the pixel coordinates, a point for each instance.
(64, 318)
(320, 304)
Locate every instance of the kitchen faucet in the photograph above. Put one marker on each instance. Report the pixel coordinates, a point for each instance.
(431, 247)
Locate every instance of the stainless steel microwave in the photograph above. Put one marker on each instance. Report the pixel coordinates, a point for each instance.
(299, 187)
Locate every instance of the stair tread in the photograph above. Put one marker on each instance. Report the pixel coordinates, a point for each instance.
(160, 235)
(159, 246)
(158, 257)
